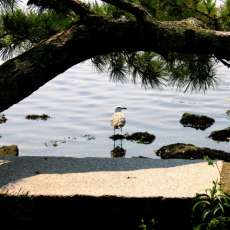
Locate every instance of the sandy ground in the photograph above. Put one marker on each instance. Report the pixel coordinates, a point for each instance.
(133, 177)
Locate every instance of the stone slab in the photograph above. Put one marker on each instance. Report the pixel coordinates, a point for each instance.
(122, 177)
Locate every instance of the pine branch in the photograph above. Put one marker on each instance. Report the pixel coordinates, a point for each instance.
(138, 11)
(185, 6)
(223, 61)
(7, 4)
(76, 6)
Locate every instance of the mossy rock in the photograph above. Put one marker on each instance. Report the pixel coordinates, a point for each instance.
(141, 137)
(221, 135)
(196, 121)
(189, 151)
(117, 137)
(118, 152)
(3, 119)
(43, 117)
(228, 113)
(11, 150)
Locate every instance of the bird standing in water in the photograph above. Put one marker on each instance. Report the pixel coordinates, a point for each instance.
(118, 119)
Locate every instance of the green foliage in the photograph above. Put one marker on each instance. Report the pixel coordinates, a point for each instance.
(147, 225)
(191, 72)
(142, 225)
(210, 6)
(211, 210)
(144, 66)
(185, 72)
(7, 4)
(152, 6)
(225, 15)
(20, 31)
(110, 11)
(210, 161)
(207, 11)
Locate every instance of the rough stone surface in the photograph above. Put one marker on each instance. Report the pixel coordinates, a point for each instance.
(11, 150)
(141, 137)
(117, 137)
(228, 113)
(189, 151)
(3, 119)
(121, 177)
(221, 135)
(196, 121)
(42, 117)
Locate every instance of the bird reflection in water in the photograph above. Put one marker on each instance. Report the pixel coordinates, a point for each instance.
(118, 151)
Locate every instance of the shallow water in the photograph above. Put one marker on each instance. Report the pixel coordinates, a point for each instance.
(81, 102)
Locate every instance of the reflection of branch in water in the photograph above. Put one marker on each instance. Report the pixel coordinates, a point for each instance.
(118, 151)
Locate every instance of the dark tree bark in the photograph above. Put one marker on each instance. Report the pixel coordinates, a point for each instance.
(21, 76)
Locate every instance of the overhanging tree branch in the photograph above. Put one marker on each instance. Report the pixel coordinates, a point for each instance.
(21, 76)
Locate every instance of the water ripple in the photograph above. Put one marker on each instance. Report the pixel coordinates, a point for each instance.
(81, 102)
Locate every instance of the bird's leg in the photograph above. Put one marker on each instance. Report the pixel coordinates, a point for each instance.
(121, 131)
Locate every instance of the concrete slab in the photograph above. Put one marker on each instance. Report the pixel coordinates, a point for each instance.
(124, 177)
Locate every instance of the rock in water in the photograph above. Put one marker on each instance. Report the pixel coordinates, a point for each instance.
(221, 135)
(117, 137)
(3, 119)
(141, 137)
(43, 117)
(189, 151)
(11, 150)
(228, 113)
(196, 121)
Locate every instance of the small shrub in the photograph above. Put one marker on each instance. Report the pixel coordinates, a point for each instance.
(211, 210)
(150, 225)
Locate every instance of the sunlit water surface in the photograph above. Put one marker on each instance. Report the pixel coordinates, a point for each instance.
(81, 102)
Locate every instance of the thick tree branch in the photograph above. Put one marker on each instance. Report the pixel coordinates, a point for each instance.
(24, 74)
(137, 10)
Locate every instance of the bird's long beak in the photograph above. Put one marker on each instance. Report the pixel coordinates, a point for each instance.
(124, 108)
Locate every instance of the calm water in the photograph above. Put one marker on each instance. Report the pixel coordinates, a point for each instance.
(81, 102)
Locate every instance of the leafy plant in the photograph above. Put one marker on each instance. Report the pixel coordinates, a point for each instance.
(213, 163)
(211, 210)
(142, 225)
(151, 225)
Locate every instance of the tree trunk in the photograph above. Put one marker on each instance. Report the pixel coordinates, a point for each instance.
(21, 76)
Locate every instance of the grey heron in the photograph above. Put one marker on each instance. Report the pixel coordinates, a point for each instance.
(118, 119)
